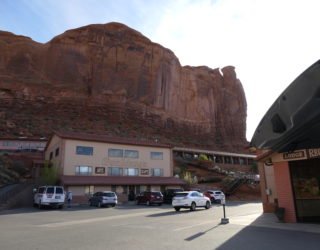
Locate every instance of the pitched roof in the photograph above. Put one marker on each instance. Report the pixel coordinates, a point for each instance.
(108, 139)
(119, 180)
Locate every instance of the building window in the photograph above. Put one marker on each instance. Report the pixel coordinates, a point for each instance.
(114, 171)
(57, 152)
(51, 156)
(131, 171)
(227, 160)
(144, 171)
(83, 170)
(89, 190)
(218, 159)
(115, 152)
(156, 155)
(131, 154)
(235, 160)
(100, 170)
(81, 150)
(243, 161)
(157, 172)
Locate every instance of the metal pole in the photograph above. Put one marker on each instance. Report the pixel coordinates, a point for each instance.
(224, 220)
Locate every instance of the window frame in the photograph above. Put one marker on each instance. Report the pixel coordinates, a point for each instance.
(115, 150)
(126, 151)
(81, 150)
(153, 157)
(154, 171)
(80, 172)
(111, 173)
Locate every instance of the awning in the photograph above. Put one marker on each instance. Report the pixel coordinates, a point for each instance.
(293, 121)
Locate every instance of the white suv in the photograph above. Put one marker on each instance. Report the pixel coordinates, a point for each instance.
(53, 196)
(216, 196)
(191, 200)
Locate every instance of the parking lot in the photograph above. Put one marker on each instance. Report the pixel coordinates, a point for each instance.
(146, 227)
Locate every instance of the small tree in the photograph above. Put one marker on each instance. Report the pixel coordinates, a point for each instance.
(49, 174)
(189, 179)
(203, 157)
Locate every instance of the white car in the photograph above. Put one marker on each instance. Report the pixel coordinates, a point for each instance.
(191, 200)
(215, 196)
(53, 196)
(102, 199)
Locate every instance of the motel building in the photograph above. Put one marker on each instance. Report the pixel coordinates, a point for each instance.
(288, 142)
(88, 163)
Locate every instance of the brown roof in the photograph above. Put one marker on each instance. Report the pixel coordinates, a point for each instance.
(119, 180)
(108, 139)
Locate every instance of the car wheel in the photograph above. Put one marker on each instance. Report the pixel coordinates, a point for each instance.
(113, 205)
(61, 206)
(207, 205)
(193, 206)
(148, 203)
(177, 209)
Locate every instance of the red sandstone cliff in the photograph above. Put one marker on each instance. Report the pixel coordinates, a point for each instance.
(110, 78)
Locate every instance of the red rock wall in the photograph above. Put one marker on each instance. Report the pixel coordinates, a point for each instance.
(111, 78)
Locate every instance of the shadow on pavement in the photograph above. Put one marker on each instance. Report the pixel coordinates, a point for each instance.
(192, 237)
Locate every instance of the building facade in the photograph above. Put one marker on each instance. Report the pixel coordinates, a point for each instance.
(89, 163)
(291, 180)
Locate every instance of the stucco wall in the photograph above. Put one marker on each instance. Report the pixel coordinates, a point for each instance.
(285, 195)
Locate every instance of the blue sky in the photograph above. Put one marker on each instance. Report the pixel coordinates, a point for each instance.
(270, 42)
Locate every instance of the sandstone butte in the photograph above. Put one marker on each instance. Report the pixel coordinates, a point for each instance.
(110, 79)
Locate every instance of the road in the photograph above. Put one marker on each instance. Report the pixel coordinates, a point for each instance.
(141, 227)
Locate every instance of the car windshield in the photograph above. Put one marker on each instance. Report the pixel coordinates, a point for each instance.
(181, 194)
(109, 194)
(155, 193)
(59, 190)
(50, 190)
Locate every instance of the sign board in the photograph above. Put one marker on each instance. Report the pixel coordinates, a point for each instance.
(293, 155)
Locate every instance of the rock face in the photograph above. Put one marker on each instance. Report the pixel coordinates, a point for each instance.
(110, 78)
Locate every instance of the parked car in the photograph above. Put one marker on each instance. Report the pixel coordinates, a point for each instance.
(53, 196)
(102, 199)
(191, 200)
(149, 198)
(216, 196)
(169, 194)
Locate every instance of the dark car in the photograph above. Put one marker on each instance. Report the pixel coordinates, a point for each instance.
(105, 198)
(169, 194)
(149, 198)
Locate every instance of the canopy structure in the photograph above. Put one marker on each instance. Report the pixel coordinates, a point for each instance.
(293, 121)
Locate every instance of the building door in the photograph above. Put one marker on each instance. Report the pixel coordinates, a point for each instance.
(305, 179)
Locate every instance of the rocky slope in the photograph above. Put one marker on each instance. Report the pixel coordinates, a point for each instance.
(111, 79)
